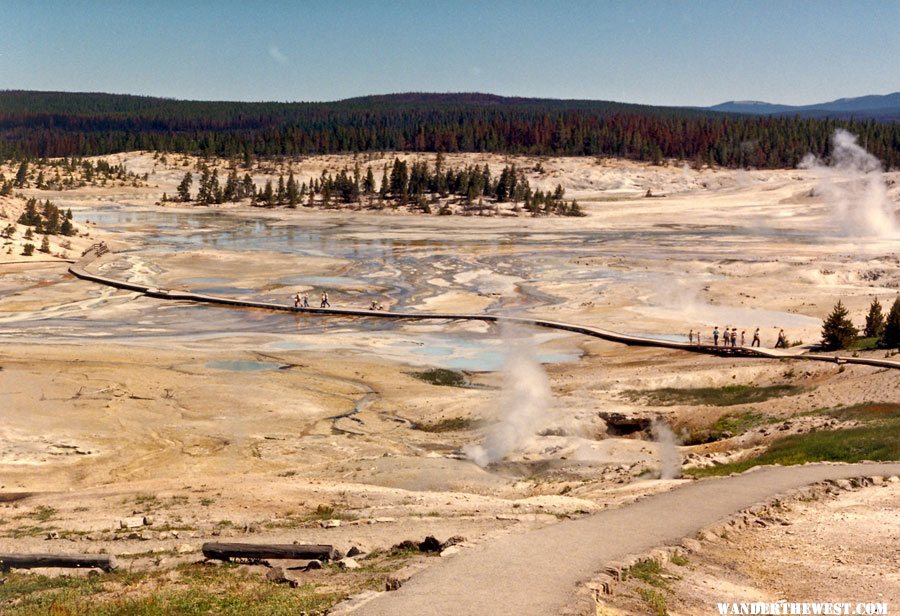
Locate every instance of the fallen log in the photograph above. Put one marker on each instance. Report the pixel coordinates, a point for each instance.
(226, 551)
(106, 562)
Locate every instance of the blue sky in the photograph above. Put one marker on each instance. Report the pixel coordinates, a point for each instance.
(676, 52)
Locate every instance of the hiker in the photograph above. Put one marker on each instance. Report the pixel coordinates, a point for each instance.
(782, 340)
(716, 335)
(743, 337)
(325, 303)
(306, 300)
(375, 305)
(755, 342)
(733, 337)
(691, 337)
(297, 300)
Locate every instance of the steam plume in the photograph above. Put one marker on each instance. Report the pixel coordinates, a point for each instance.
(669, 458)
(853, 185)
(523, 405)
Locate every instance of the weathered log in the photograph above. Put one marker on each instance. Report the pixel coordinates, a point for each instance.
(106, 562)
(226, 551)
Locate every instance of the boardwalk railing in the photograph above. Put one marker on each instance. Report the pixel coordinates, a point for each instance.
(79, 269)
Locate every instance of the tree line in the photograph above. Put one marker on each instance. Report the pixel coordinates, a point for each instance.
(63, 124)
(879, 331)
(416, 184)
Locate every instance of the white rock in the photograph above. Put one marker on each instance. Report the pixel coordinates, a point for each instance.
(348, 563)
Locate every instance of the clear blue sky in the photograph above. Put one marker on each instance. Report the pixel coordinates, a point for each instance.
(698, 52)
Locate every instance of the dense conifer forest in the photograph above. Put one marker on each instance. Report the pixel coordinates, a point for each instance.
(52, 124)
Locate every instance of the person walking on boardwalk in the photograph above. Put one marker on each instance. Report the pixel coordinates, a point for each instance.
(743, 337)
(691, 337)
(297, 300)
(716, 335)
(733, 337)
(755, 342)
(325, 303)
(306, 300)
(781, 343)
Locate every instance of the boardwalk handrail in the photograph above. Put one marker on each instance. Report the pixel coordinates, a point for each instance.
(79, 270)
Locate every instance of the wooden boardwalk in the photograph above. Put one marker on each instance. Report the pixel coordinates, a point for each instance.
(79, 269)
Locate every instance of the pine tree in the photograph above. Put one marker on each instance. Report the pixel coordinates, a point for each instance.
(45, 245)
(838, 330)
(66, 227)
(369, 182)
(891, 336)
(293, 194)
(184, 188)
(874, 321)
(22, 174)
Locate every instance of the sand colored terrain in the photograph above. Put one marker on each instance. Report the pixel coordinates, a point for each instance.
(220, 422)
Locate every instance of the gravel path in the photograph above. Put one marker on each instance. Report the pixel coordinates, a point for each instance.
(537, 572)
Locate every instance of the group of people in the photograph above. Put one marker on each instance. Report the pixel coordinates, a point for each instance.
(729, 338)
(301, 300)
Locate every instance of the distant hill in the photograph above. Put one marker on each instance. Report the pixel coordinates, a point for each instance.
(90, 123)
(883, 107)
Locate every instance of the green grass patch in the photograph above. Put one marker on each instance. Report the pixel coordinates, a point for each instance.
(864, 344)
(648, 571)
(868, 411)
(450, 424)
(727, 426)
(679, 560)
(729, 395)
(877, 440)
(197, 590)
(442, 377)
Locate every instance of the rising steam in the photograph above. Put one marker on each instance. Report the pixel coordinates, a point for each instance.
(853, 185)
(523, 405)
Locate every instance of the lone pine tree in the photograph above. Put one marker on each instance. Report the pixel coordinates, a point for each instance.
(874, 321)
(838, 330)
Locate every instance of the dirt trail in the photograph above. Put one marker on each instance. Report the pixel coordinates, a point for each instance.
(538, 572)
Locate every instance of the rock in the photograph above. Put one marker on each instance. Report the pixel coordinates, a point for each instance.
(384, 520)
(893, 479)
(348, 563)
(52, 535)
(313, 564)
(185, 548)
(450, 551)
(392, 584)
(132, 522)
(454, 540)
(353, 551)
(875, 480)
(276, 576)
(330, 523)
(843, 484)
(430, 544)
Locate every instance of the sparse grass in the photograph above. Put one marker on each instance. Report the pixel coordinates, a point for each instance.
(729, 395)
(450, 424)
(41, 513)
(442, 377)
(197, 590)
(654, 600)
(728, 425)
(330, 512)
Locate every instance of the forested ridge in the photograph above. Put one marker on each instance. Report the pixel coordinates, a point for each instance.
(48, 124)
